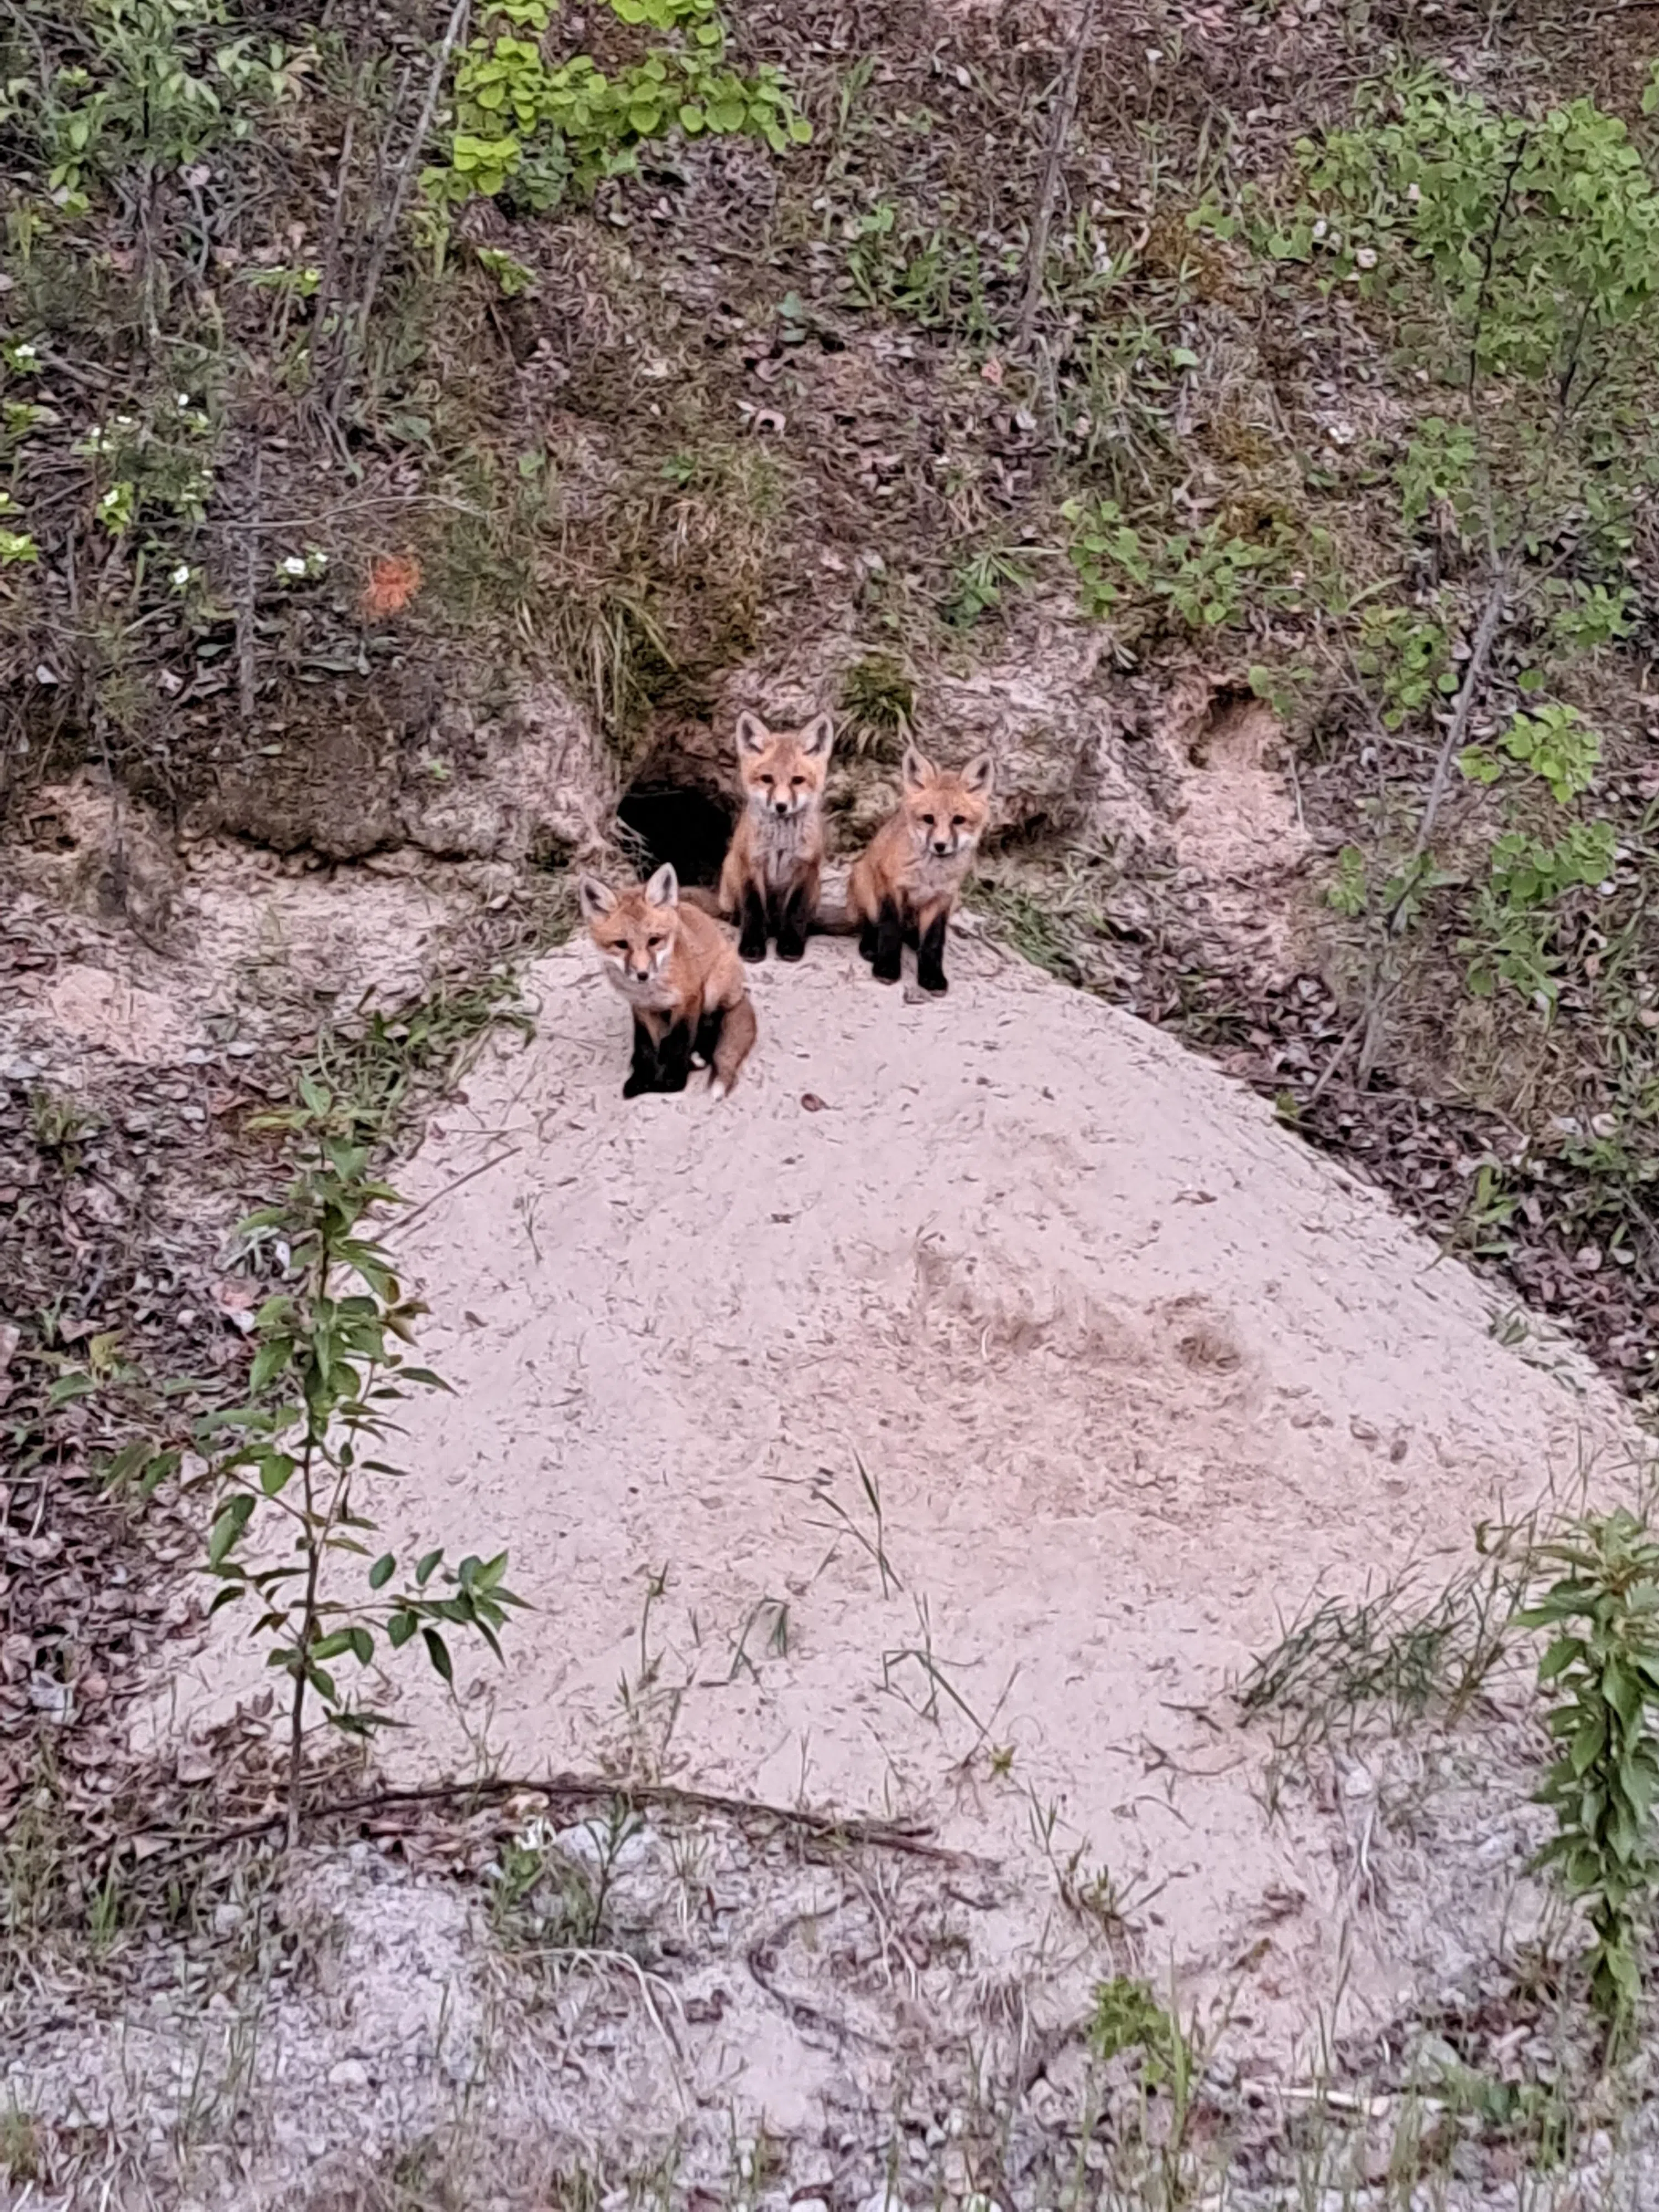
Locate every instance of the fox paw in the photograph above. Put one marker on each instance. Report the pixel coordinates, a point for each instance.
(935, 984)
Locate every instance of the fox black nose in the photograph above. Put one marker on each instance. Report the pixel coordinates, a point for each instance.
(942, 846)
(781, 805)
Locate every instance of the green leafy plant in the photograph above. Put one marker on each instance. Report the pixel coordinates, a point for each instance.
(1513, 918)
(977, 585)
(1207, 579)
(1128, 2017)
(1527, 874)
(160, 82)
(535, 128)
(1438, 469)
(511, 276)
(1513, 914)
(1348, 890)
(328, 1369)
(1511, 259)
(1409, 657)
(1588, 615)
(1600, 1672)
(1563, 201)
(1555, 743)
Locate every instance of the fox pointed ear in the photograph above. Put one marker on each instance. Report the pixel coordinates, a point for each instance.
(817, 737)
(663, 887)
(918, 769)
(753, 736)
(597, 898)
(981, 775)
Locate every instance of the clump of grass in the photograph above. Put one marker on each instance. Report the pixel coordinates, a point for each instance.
(59, 1123)
(545, 1899)
(416, 1051)
(1037, 930)
(20, 2146)
(877, 706)
(1391, 1650)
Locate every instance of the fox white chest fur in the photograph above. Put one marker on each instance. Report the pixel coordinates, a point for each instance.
(780, 839)
(652, 996)
(929, 878)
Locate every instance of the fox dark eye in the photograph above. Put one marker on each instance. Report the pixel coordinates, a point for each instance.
(766, 781)
(958, 821)
(928, 820)
(652, 943)
(797, 781)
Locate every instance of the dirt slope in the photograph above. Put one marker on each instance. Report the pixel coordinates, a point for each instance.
(1131, 1369)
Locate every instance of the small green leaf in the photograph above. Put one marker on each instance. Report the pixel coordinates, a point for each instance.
(382, 1571)
(228, 1524)
(438, 1652)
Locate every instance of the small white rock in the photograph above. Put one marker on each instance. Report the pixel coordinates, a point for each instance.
(349, 2074)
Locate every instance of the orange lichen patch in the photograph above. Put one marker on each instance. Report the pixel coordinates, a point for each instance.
(392, 583)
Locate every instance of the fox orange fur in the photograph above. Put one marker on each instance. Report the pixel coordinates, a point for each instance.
(680, 974)
(904, 885)
(769, 883)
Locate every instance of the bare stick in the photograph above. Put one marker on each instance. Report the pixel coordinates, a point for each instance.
(1060, 130)
(246, 599)
(324, 300)
(405, 178)
(1458, 729)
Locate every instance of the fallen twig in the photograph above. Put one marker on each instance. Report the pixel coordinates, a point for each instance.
(911, 1838)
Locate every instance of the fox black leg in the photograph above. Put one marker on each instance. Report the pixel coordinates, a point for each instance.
(793, 919)
(930, 956)
(642, 1071)
(751, 945)
(674, 1058)
(708, 1036)
(866, 941)
(889, 940)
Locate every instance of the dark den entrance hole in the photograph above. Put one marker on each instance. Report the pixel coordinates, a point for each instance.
(673, 822)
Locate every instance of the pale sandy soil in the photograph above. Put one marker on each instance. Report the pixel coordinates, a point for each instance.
(1131, 1370)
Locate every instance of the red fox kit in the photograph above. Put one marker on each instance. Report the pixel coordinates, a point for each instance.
(679, 972)
(769, 883)
(904, 884)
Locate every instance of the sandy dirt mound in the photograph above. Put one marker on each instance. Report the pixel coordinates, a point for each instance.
(1129, 1369)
